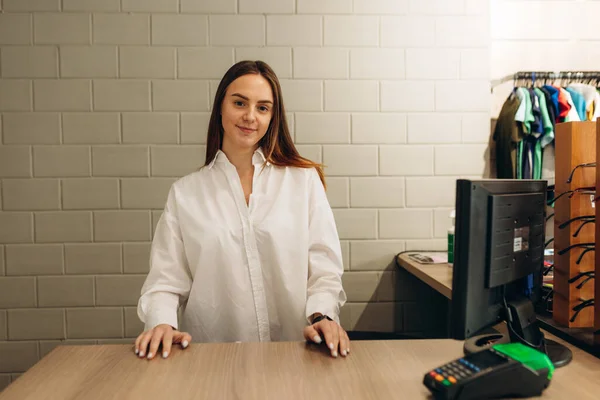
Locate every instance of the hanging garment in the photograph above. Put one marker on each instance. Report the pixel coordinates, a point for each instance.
(553, 92)
(524, 117)
(572, 114)
(564, 106)
(548, 164)
(578, 102)
(536, 124)
(596, 106)
(550, 106)
(528, 157)
(547, 125)
(507, 136)
(524, 114)
(589, 93)
(531, 150)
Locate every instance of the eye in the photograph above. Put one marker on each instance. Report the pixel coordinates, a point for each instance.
(239, 103)
(264, 108)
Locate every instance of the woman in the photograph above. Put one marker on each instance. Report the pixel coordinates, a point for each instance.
(247, 245)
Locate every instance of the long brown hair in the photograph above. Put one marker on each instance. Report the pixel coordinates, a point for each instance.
(277, 144)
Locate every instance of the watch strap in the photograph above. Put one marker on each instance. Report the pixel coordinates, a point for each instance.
(320, 318)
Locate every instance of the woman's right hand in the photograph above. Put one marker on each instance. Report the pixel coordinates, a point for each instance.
(164, 334)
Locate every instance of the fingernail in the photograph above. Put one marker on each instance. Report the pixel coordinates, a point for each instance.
(334, 354)
(344, 353)
(165, 354)
(331, 346)
(317, 339)
(184, 344)
(149, 355)
(136, 351)
(348, 351)
(142, 354)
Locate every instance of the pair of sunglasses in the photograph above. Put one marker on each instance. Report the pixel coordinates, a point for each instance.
(590, 246)
(581, 306)
(588, 276)
(585, 218)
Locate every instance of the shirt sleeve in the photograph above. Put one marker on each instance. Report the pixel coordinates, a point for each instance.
(325, 266)
(169, 281)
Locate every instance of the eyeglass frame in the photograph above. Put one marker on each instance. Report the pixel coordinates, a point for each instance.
(581, 190)
(583, 253)
(574, 219)
(581, 306)
(586, 218)
(583, 165)
(584, 245)
(588, 274)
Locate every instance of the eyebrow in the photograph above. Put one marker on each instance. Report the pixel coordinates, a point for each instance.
(247, 99)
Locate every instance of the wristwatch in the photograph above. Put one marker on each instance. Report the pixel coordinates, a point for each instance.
(319, 318)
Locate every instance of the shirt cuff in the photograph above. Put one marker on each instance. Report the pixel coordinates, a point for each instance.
(161, 309)
(323, 303)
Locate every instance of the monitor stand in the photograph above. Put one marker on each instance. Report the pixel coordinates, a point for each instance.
(523, 327)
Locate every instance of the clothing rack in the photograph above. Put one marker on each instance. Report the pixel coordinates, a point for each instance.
(532, 76)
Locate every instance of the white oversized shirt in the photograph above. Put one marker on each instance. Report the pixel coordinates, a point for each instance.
(243, 272)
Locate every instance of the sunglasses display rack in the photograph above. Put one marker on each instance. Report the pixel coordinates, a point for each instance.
(597, 255)
(575, 214)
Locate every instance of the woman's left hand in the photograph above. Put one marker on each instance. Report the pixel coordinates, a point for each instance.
(335, 336)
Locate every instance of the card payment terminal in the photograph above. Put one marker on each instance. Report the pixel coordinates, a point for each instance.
(503, 370)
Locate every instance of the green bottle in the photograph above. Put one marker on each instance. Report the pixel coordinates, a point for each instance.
(451, 239)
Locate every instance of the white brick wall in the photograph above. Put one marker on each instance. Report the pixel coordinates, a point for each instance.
(377, 63)
(322, 128)
(104, 103)
(351, 31)
(324, 7)
(294, 30)
(29, 62)
(341, 95)
(407, 31)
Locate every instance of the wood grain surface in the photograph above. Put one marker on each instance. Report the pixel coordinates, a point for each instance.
(438, 276)
(387, 369)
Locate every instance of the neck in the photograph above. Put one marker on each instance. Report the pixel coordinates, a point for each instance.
(240, 158)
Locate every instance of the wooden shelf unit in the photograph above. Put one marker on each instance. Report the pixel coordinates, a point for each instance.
(575, 145)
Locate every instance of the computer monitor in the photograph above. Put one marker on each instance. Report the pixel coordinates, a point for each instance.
(498, 264)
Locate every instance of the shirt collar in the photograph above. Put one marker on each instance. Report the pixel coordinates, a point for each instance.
(257, 158)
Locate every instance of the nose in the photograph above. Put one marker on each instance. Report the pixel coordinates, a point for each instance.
(249, 115)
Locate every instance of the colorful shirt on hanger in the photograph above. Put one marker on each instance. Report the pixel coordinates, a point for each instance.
(578, 102)
(589, 93)
(572, 114)
(548, 126)
(553, 92)
(547, 136)
(536, 125)
(524, 114)
(563, 104)
(550, 106)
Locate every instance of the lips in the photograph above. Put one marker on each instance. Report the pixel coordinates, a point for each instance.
(246, 130)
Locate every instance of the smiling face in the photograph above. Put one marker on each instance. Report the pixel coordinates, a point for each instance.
(246, 112)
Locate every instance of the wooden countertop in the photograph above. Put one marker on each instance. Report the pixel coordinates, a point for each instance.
(438, 276)
(387, 369)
